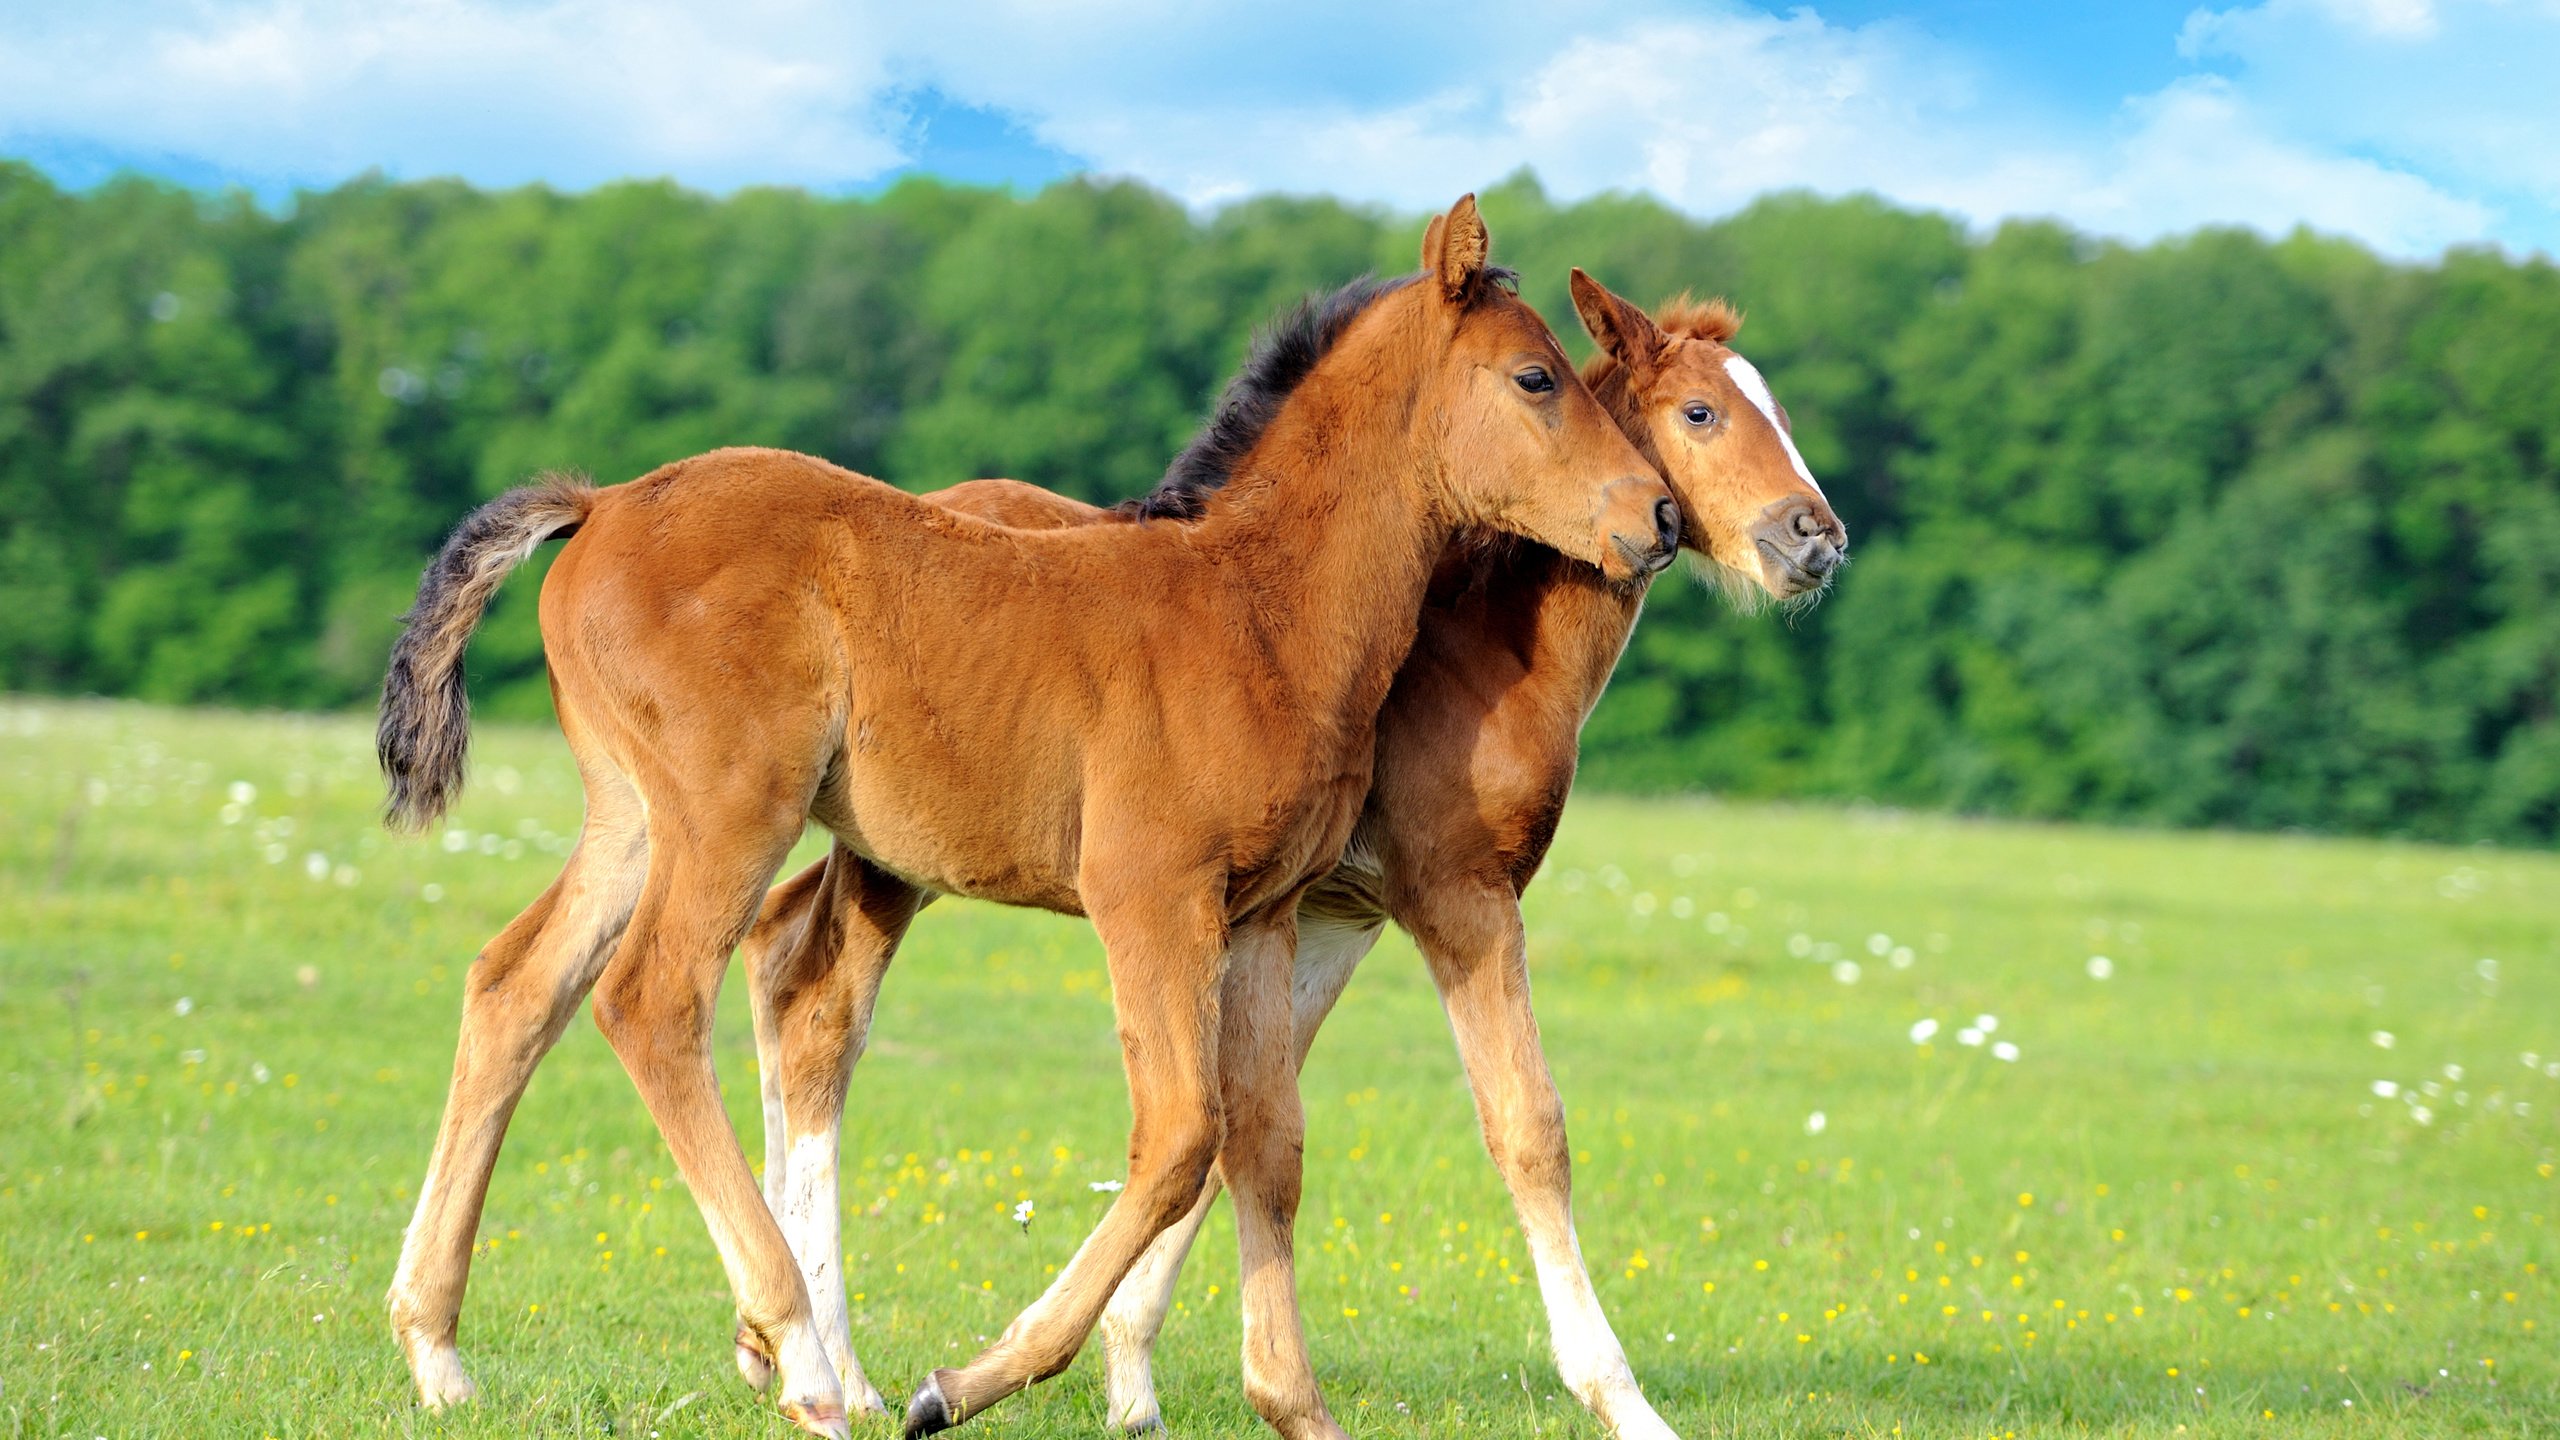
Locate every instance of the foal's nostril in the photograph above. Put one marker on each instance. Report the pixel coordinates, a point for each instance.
(1808, 522)
(1666, 523)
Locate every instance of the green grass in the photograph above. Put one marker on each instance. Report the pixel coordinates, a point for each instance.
(2181, 1205)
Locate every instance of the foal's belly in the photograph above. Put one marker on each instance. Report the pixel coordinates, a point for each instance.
(958, 833)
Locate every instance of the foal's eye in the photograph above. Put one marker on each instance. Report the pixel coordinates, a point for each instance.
(1699, 414)
(1535, 380)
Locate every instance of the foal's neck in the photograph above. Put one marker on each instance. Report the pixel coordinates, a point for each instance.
(1326, 528)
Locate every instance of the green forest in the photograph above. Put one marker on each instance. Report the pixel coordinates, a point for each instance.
(2213, 531)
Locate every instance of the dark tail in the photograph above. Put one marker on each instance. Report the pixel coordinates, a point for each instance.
(426, 713)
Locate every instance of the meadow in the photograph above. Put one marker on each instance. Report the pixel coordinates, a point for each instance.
(1886, 1125)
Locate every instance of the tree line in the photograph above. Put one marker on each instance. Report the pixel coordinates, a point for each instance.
(2213, 531)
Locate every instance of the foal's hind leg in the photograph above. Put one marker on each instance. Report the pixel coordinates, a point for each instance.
(519, 996)
(1471, 936)
(814, 963)
(770, 942)
(710, 857)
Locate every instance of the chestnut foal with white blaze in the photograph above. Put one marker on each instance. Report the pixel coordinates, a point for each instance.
(1476, 750)
(1168, 729)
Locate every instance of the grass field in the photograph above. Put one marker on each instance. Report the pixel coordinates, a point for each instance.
(2179, 1205)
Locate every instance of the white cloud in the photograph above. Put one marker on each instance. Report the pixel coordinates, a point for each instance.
(2198, 154)
(576, 92)
(2410, 124)
(1707, 111)
(2463, 90)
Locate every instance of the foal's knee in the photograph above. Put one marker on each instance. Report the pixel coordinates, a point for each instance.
(1530, 1144)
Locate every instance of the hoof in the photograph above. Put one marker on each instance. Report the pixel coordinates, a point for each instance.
(754, 1366)
(461, 1392)
(827, 1420)
(928, 1413)
(1138, 1417)
(863, 1398)
(441, 1383)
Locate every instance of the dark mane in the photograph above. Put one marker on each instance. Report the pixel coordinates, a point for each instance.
(1279, 361)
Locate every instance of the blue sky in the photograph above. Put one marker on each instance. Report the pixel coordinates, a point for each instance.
(2411, 125)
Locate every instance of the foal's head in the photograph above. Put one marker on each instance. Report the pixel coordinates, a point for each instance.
(1704, 416)
(1525, 446)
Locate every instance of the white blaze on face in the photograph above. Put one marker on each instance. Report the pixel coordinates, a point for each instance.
(1747, 378)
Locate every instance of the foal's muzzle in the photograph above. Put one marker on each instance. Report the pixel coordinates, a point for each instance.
(1649, 554)
(1801, 544)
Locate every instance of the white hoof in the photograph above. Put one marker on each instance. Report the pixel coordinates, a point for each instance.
(441, 1381)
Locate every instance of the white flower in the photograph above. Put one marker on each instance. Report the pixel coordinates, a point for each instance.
(1022, 1215)
(2386, 1089)
(1921, 1030)
(2453, 1072)
(1879, 945)
(2005, 1051)
(1902, 957)
(186, 1005)
(431, 892)
(1816, 1123)
(1105, 1187)
(243, 793)
(1986, 1023)
(1845, 971)
(2384, 1039)
(2101, 968)
(2422, 1114)
(457, 841)
(1969, 1036)
(316, 865)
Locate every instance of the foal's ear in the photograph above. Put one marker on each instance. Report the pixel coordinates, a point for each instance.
(1624, 330)
(1454, 250)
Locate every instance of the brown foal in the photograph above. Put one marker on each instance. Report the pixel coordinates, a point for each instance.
(1167, 728)
(1476, 750)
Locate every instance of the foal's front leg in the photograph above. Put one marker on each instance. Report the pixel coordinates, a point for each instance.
(1164, 944)
(1472, 938)
(1261, 1161)
(1332, 939)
